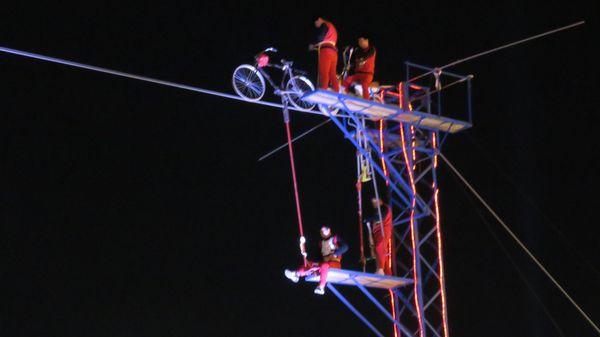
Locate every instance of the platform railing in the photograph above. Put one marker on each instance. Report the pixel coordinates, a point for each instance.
(413, 71)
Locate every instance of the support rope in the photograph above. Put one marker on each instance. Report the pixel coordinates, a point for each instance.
(143, 78)
(522, 245)
(510, 259)
(363, 259)
(451, 64)
(294, 179)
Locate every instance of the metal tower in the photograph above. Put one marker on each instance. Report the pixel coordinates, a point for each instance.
(402, 146)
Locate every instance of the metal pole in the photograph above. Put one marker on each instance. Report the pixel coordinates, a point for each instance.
(380, 307)
(354, 310)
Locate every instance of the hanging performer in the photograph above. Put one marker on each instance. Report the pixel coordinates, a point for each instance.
(328, 54)
(364, 67)
(382, 234)
(332, 248)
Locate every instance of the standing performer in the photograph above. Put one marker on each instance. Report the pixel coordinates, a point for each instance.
(328, 54)
(332, 248)
(364, 67)
(382, 234)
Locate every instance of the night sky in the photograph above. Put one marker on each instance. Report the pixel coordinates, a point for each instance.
(131, 209)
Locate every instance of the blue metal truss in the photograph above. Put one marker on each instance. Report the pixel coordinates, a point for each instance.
(408, 164)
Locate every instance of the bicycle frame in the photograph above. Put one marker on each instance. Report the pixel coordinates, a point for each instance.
(287, 74)
(293, 83)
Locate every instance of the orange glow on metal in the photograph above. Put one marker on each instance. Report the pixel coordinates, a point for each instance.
(393, 304)
(414, 143)
(401, 95)
(434, 144)
(390, 245)
(383, 165)
(439, 242)
(392, 300)
(412, 230)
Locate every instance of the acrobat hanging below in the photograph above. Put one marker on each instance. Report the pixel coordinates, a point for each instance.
(381, 232)
(332, 248)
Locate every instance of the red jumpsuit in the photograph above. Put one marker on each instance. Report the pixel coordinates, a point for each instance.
(382, 237)
(330, 260)
(328, 56)
(364, 70)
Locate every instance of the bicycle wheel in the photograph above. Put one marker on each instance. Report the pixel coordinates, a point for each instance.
(295, 88)
(248, 83)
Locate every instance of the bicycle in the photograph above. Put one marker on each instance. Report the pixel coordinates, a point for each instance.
(249, 81)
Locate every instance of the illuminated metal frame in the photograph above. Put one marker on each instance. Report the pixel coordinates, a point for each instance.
(409, 165)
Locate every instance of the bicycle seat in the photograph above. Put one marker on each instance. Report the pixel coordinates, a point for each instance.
(286, 62)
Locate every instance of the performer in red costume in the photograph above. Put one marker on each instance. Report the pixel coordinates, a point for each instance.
(364, 67)
(328, 54)
(332, 248)
(382, 234)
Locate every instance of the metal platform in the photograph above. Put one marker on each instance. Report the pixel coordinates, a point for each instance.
(352, 278)
(375, 110)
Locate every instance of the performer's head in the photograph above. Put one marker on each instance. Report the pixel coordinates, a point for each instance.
(376, 203)
(325, 232)
(363, 42)
(319, 21)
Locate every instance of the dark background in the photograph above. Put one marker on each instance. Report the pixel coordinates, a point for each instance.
(131, 209)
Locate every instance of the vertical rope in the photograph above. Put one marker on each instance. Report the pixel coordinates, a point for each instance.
(363, 260)
(294, 179)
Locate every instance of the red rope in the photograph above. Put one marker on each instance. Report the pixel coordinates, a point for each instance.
(298, 211)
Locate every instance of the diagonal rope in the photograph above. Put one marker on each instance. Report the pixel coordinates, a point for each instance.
(512, 261)
(522, 245)
(585, 261)
(508, 45)
(143, 78)
(284, 145)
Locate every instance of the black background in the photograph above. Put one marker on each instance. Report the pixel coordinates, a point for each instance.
(131, 209)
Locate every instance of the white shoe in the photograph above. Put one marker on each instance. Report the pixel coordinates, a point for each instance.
(319, 291)
(292, 275)
(379, 272)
